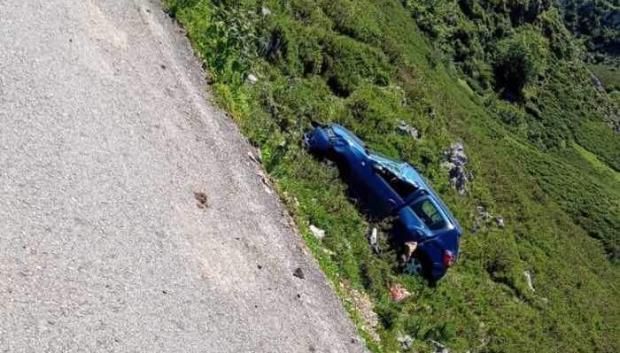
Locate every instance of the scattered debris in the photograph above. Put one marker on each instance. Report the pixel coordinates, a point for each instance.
(373, 240)
(317, 232)
(252, 78)
(398, 292)
(265, 11)
(363, 305)
(299, 273)
(528, 279)
(203, 200)
(439, 347)
(485, 218)
(456, 160)
(407, 129)
(405, 341)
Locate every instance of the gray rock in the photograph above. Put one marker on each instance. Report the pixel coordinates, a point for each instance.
(485, 218)
(439, 347)
(407, 129)
(455, 162)
(299, 273)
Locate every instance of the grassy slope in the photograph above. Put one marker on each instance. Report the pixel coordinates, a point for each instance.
(365, 64)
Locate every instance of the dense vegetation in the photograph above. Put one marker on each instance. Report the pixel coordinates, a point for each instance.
(506, 78)
(597, 22)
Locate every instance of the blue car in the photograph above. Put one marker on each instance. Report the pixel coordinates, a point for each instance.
(391, 188)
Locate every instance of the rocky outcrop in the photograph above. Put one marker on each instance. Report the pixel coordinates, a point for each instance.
(455, 162)
(406, 129)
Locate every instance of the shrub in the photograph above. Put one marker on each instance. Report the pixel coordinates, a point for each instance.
(519, 60)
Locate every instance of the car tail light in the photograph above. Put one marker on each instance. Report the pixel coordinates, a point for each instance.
(448, 258)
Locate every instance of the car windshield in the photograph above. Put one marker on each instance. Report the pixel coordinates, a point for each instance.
(429, 214)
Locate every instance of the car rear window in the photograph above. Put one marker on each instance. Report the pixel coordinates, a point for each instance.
(429, 214)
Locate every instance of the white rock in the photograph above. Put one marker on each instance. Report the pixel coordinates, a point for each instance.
(528, 279)
(373, 240)
(265, 11)
(252, 79)
(500, 221)
(317, 232)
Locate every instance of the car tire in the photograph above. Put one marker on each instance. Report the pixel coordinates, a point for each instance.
(419, 264)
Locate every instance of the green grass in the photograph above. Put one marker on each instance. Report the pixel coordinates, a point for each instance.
(367, 65)
(597, 163)
(608, 74)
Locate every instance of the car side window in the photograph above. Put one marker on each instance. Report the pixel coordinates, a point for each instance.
(401, 187)
(429, 214)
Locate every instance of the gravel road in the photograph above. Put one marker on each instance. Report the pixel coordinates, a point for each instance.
(105, 137)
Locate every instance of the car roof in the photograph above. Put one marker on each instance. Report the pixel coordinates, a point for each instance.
(408, 173)
(403, 170)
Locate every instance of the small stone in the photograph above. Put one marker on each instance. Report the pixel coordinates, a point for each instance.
(528, 279)
(265, 11)
(439, 347)
(203, 200)
(317, 232)
(252, 79)
(299, 273)
(499, 220)
(373, 240)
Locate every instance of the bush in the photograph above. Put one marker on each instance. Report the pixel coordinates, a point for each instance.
(519, 60)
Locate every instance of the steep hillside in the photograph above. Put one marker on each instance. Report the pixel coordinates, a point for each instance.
(597, 22)
(506, 79)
